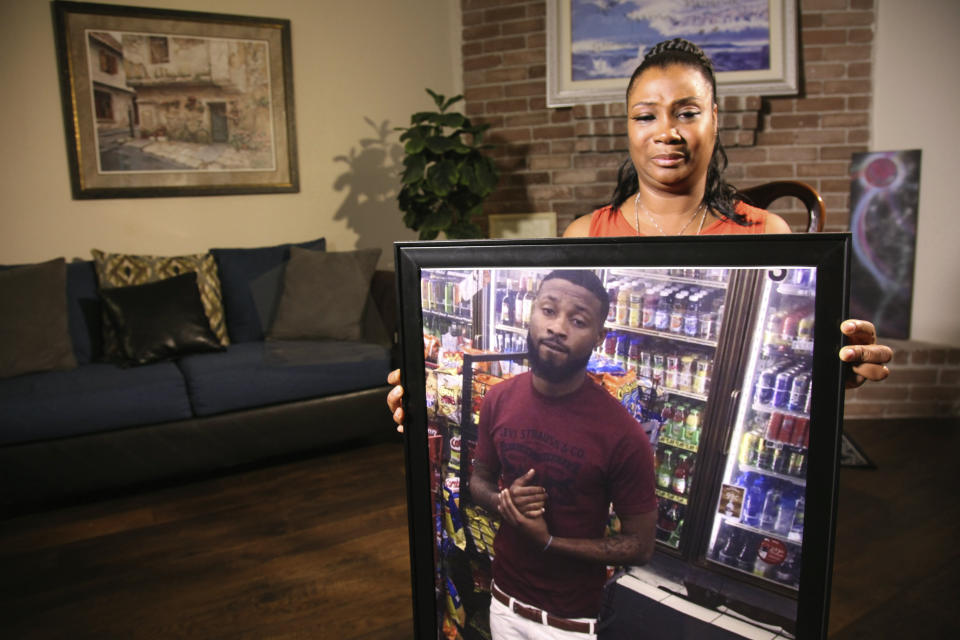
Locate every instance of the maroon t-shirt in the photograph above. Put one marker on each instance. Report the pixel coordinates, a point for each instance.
(587, 451)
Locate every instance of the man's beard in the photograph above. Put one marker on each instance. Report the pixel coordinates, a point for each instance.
(551, 372)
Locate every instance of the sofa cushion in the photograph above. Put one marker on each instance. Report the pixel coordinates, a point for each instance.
(324, 295)
(160, 320)
(251, 280)
(34, 329)
(91, 398)
(84, 311)
(253, 374)
(124, 270)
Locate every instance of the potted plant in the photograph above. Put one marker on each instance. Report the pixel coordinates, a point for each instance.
(445, 177)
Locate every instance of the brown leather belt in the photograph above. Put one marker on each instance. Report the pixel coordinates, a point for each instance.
(541, 616)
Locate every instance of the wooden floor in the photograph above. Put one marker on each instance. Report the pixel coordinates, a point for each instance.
(318, 549)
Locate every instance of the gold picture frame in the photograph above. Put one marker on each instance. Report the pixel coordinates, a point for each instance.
(159, 102)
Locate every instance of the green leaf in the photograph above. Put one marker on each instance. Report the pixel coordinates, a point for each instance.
(415, 168)
(426, 116)
(440, 144)
(454, 120)
(415, 140)
(453, 100)
(442, 177)
(437, 98)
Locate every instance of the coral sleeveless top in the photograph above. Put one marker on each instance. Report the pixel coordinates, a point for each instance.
(607, 221)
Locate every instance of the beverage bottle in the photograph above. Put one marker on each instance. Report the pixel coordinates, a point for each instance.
(679, 479)
(665, 471)
(691, 318)
(718, 323)
(679, 420)
(518, 304)
(646, 365)
(623, 348)
(623, 304)
(661, 317)
(448, 297)
(658, 368)
(676, 313)
(635, 316)
(753, 502)
(650, 299)
(700, 377)
(785, 514)
(674, 539)
(771, 503)
(633, 355)
(748, 554)
(673, 371)
(789, 570)
(610, 344)
(685, 379)
(506, 307)
(691, 431)
(528, 299)
(612, 294)
(671, 519)
(796, 529)
(728, 553)
(666, 415)
(805, 328)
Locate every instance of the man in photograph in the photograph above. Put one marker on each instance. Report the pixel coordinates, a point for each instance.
(562, 449)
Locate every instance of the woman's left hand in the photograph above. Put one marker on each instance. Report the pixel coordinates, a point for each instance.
(867, 358)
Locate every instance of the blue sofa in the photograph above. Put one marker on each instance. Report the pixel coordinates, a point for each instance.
(100, 426)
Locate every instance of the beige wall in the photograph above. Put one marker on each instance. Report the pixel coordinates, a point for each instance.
(915, 96)
(367, 59)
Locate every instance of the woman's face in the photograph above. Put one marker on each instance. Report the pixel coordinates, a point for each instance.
(672, 126)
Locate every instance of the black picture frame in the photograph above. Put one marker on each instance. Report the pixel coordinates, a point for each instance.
(828, 253)
(161, 103)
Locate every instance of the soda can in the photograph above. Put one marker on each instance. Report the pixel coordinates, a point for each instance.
(764, 454)
(748, 448)
(796, 466)
(781, 389)
(773, 426)
(765, 385)
(781, 458)
(798, 392)
(800, 429)
(786, 429)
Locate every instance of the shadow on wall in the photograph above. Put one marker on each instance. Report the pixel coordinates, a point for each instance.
(372, 181)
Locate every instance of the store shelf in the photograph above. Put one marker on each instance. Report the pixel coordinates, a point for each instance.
(669, 495)
(787, 289)
(663, 277)
(735, 522)
(448, 316)
(676, 444)
(506, 327)
(769, 408)
(676, 337)
(686, 394)
(801, 482)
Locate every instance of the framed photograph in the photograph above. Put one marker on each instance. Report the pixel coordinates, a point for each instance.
(512, 226)
(594, 47)
(680, 394)
(175, 103)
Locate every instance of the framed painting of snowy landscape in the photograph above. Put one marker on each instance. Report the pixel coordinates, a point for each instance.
(175, 103)
(593, 46)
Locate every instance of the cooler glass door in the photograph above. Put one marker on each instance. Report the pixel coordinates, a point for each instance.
(663, 332)
(757, 519)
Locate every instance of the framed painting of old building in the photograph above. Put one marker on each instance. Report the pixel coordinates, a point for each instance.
(175, 103)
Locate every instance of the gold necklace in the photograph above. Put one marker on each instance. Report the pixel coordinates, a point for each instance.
(636, 218)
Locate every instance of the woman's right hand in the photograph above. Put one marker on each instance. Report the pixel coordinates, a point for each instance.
(394, 398)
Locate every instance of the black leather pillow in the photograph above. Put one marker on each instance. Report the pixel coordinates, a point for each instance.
(160, 320)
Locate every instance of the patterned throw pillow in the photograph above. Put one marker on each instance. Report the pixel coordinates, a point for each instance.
(124, 270)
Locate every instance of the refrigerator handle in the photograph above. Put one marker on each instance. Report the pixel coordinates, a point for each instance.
(731, 414)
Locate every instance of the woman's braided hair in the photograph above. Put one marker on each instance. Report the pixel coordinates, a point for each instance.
(719, 196)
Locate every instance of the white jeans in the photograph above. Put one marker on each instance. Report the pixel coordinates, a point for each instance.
(506, 625)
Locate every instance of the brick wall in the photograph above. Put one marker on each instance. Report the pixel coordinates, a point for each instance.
(565, 159)
(924, 382)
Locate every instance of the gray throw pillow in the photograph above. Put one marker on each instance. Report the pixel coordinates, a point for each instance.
(34, 330)
(324, 294)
